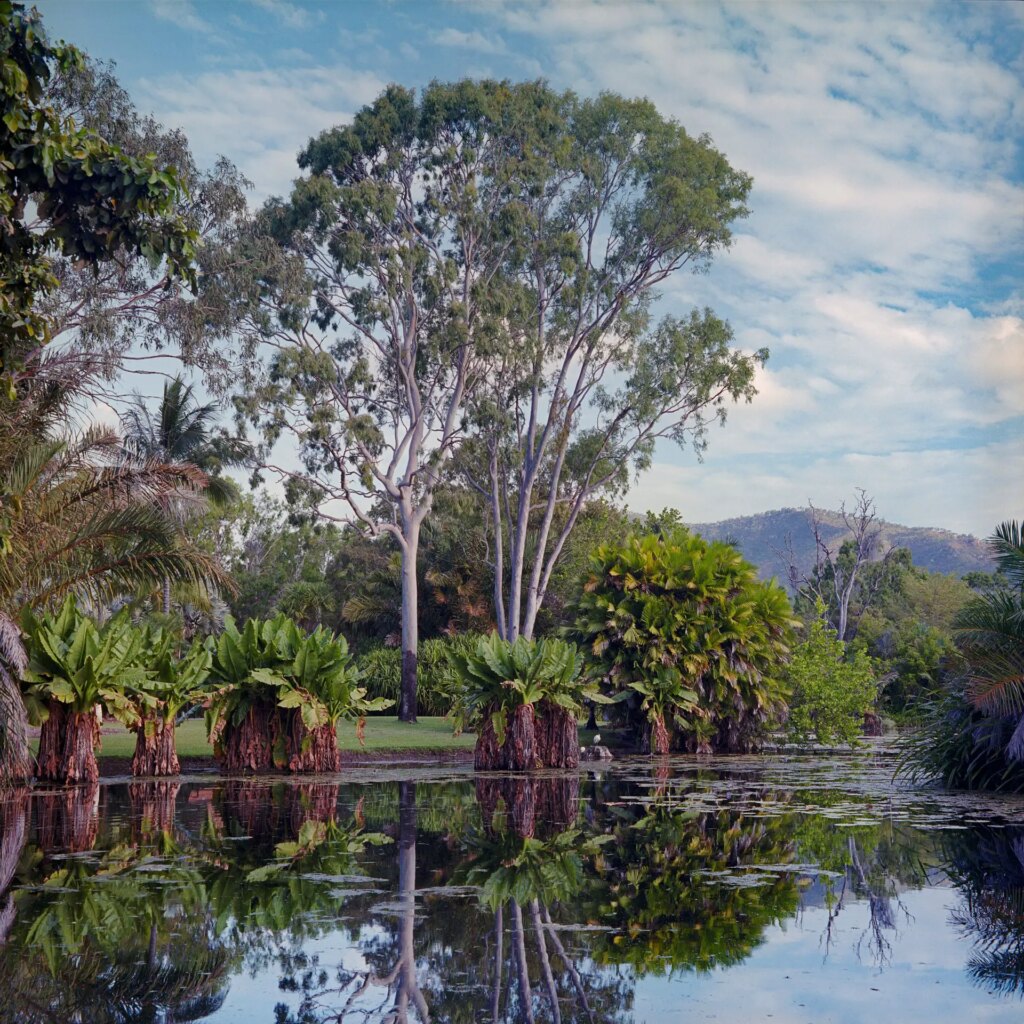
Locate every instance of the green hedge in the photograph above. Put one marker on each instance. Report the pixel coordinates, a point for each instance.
(382, 672)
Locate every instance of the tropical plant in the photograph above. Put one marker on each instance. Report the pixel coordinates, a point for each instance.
(685, 636)
(77, 516)
(75, 669)
(972, 736)
(502, 686)
(180, 433)
(832, 688)
(150, 706)
(280, 694)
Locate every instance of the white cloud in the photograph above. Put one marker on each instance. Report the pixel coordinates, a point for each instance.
(290, 15)
(477, 41)
(261, 119)
(182, 13)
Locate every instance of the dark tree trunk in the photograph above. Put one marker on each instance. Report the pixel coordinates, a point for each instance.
(407, 700)
(557, 737)
(657, 738)
(591, 725)
(519, 751)
(68, 822)
(153, 805)
(67, 746)
(155, 754)
(486, 754)
(310, 750)
(249, 747)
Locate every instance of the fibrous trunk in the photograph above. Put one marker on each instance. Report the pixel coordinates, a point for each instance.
(658, 738)
(67, 746)
(557, 738)
(311, 750)
(519, 751)
(155, 753)
(249, 746)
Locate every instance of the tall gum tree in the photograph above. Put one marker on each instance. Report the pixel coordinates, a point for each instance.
(614, 200)
(388, 300)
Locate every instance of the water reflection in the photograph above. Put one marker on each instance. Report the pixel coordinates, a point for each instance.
(554, 899)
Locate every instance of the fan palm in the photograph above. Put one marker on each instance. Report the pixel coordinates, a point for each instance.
(990, 635)
(180, 432)
(78, 514)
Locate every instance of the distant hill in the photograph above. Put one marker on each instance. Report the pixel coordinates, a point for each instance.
(764, 540)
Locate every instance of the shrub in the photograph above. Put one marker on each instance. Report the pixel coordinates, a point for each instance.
(682, 631)
(830, 692)
(381, 669)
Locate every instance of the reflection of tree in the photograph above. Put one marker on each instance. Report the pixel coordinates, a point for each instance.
(682, 889)
(13, 827)
(873, 863)
(121, 936)
(987, 866)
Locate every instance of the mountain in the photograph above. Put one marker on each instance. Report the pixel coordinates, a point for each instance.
(765, 540)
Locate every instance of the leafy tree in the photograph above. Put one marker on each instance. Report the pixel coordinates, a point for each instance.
(615, 200)
(401, 226)
(972, 734)
(507, 688)
(128, 310)
(686, 633)
(75, 669)
(279, 696)
(831, 689)
(66, 191)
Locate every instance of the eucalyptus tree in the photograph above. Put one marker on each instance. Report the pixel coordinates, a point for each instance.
(132, 309)
(617, 199)
(388, 294)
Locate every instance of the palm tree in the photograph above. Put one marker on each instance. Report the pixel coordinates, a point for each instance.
(179, 432)
(990, 635)
(78, 514)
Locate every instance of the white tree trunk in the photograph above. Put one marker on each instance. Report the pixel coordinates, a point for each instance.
(410, 619)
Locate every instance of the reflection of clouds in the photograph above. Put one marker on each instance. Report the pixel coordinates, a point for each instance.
(786, 979)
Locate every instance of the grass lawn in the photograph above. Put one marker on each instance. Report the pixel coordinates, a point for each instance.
(381, 734)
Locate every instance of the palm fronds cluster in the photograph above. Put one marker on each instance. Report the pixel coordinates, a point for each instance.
(79, 513)
(972, 736)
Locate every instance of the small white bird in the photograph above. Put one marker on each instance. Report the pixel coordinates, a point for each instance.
(597, 738)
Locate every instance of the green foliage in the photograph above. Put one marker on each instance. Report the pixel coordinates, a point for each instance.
(972, 735)
(832, 687)
(65, 190)
(497, 676)
(381, 672)
(73, 661)
(686, 627)
(274, 662)
(171, 682)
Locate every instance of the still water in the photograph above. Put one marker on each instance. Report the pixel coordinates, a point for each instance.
(783, 889)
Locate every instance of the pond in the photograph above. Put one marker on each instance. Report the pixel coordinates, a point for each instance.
(772, 888)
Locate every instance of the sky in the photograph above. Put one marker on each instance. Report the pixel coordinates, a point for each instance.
(881, 264)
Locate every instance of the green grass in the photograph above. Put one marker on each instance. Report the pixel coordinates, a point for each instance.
(381, 734)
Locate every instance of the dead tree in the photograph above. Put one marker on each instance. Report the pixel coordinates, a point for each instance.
(839, 563)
